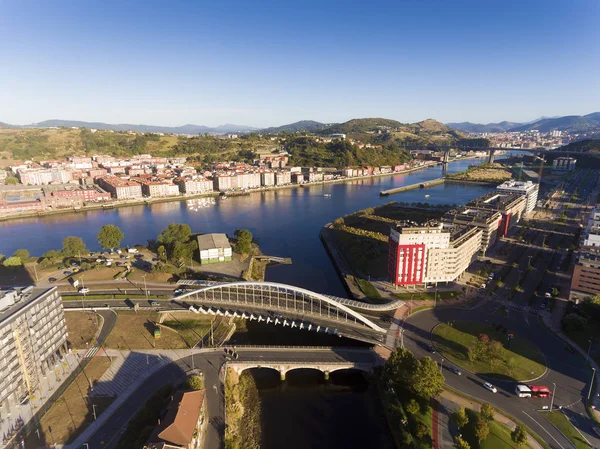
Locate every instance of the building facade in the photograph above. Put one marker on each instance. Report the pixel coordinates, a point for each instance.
(527, 188)
(119, 188)
(34, 335)
(586, 273)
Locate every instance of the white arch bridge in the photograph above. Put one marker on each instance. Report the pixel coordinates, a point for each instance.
(291, 306)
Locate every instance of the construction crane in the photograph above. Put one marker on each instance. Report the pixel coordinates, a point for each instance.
(542, 160)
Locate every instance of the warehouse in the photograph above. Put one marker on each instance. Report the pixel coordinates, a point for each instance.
(214, 248)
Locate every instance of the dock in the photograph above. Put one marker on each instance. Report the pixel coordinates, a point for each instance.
(420, 185)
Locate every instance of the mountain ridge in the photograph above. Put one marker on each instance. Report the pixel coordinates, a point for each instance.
(569, 123)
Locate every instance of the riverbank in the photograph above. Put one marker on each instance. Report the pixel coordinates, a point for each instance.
(151, 201)
(242, 411)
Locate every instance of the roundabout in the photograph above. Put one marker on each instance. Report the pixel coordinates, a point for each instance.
(488, 350)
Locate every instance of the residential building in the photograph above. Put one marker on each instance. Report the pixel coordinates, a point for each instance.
(297, 178)
(194, 187)
(586, 273)
(34, 338)
(430, 252)
(42, 176)
(561, 164)
(214, 248)
(181, 426)
(158, 189)
(510, 205)
(486, 220)
(119, 188)
(283, 178)
(527, 188)
(267, 179)
(80, 162)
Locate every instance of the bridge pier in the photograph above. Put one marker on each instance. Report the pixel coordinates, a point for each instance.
(326, 374)
(282, 375)
(446, 157)
(491, 156)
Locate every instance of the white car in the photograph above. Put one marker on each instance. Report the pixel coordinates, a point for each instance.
(84, 290)
(490, 387)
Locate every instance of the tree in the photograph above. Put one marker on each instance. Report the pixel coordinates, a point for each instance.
(51, 255)
(194, 383)
(400, 367)
(175, 232)
(519, 436)
(482, 429)
(73, 246)
(487, 412)
(243, 244)
(421, 431)
(574, 321)
(2, 257)
(459, 443)
(110, 237)
(21, 254)
(13, 262)
(427, 380)
(412, 408)
(495, 350)
(162, 253)
(11, 180)
(460, 418)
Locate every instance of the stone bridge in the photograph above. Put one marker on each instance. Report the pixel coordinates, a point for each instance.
(284, 367)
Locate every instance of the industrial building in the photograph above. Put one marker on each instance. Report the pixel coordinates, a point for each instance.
(214, 248)
(34, 335)
(527, 188)
(431, 252)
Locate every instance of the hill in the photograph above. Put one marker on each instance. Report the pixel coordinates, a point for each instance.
(185, 129)
(584, 146)
(468, 127)
(303, 125)
(569, 123)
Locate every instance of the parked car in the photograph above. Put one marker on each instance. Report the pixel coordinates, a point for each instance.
(490, 387)
(455, 370)
(431, 349)
(51, 280)
(179, 291)
(483, 285)
(84, 290)
(155, 303)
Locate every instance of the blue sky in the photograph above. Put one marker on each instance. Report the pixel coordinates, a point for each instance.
(269, 62)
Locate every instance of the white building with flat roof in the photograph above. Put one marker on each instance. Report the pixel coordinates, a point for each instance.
(527, 188)
(214, 248)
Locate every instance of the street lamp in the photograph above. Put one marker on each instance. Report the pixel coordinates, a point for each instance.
(587, 357)
(145, 288)
(553, 392)
(591, 383)
(442, 365)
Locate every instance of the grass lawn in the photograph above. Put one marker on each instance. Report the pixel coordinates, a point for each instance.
(366, 255)
(422, 296)
(136, 331)
(565, 426)
(190, 330)
(82, 327)
(368, 289)
(73, 411)
(518, 363)
(425, 417)
(99, 273)
(138, 275)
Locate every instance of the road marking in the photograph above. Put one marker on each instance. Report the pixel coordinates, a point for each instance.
(571, 421)
(562, 447)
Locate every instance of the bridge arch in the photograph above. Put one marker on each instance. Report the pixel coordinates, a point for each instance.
(273, 290)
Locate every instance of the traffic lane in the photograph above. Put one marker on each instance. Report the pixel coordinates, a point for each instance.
(334, 355)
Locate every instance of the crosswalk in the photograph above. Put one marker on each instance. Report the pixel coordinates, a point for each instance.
(91, 352)
(125, 371)
(512, 305)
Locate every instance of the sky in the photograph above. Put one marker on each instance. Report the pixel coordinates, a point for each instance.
(271, 62)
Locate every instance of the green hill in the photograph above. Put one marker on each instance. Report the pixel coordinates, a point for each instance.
(583, 146)
(303, 125)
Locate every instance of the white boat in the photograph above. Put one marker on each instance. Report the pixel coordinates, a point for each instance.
(327, 195)
(224, 197)
(426, 196)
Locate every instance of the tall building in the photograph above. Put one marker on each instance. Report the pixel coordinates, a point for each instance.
(34, 335)
(430, 253)
(586, 273)
(510, 205)
(527, 188)
(488, 220)
(562, 164)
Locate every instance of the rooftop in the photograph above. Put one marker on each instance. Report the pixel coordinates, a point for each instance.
(496, 200)
(180, 422)
(209, 241)
(16, 299)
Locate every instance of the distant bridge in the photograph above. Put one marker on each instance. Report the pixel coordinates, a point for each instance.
(293, 307)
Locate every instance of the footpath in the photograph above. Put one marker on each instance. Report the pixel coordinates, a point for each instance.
(446, 404)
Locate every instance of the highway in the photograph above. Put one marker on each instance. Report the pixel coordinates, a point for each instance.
(567, 370)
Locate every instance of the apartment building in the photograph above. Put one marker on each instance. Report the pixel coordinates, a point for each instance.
(526, 188)
(510, 205)
(283, 178)
(119, 188)
(42, 176)
(267, 179)
(586, 273)
(564, 164)
(486, 220)
(72, 195)
(193, 187)
(34, 335)
(158, 189)
(430, 252)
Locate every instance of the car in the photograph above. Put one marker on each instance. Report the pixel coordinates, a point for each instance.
(74, 264)
(431, 349)
(547, 295)
(483, 285)
(155, 303)
(67, 272)
(455, 370)
(51, 280)
(179, 291)
(84, 290)
(490, 387)
(491, 276)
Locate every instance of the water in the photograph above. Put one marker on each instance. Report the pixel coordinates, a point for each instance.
(286, 222)
(306, 411)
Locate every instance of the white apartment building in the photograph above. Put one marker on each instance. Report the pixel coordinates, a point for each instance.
(283, 178)
(190, 187)
(267, 179)
(430, 253)
(33, 333)
(527, 188)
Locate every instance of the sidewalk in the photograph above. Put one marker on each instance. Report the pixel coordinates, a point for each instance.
(459, 401)
(10, 415)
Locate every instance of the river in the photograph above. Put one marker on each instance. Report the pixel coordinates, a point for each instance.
(286, 222)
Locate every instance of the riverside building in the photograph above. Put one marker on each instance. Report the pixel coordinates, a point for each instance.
(527, 188)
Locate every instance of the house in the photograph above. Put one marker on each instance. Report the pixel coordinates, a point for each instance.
(214, 248)
(180, 427)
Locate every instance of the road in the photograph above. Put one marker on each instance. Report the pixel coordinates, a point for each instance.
(210, 363)
(568, 371)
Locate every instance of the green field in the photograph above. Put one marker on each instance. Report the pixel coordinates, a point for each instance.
(565, 426)
(368, 289)
(522, 361)
(498, 438)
